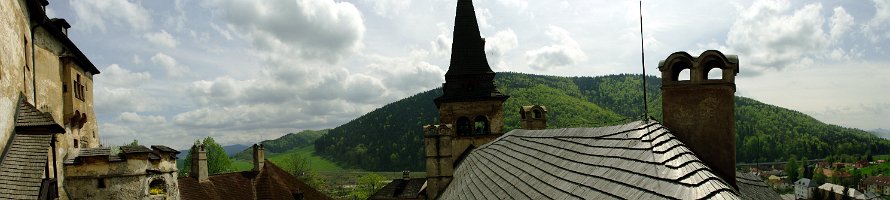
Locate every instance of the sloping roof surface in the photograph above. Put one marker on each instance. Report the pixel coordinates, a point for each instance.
(28, 119)
(163, 148)
(401, 189)
(271, 183)
(135, 149)
(876, 180)
(638, 160)
(752, 187)
(23, 167)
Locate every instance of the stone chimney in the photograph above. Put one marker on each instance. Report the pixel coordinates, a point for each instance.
(406, 175)
(259, 157)
(700, 110)
(533, 117)
(199, 163)
(439, 160)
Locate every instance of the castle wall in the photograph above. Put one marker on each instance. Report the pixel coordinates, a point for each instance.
(13, 33)
(125, 179)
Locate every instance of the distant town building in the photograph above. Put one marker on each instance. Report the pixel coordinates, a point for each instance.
(803, 188)
(876, 184)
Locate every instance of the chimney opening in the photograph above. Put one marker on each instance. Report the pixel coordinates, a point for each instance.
(681, 71)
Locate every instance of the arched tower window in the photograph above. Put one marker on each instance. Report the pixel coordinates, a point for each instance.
(521, 113)
(463, 126)
(157, 187)
(481, 126)
(537, 113)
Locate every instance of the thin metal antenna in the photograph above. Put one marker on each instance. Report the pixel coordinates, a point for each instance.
(643, 62)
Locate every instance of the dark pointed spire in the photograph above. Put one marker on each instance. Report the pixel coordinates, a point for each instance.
(468, 48)
(469, 76)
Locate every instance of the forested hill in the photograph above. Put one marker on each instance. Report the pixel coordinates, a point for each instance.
(284, 143)
(390, 139)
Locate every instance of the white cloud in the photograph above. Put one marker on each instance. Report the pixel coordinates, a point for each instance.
(116, 76)
(877, 26)
(162, 38)
(564, 52)
(772, 36)
(498, 45)
(324, 30)
(389, 8)
(132, 117)
(170, 65)
(98, 13)
(839, 23)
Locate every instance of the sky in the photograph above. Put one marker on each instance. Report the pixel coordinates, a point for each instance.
(244, 71)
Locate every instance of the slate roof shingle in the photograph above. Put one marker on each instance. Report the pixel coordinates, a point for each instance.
(29, 120)
(23, 167)
(135, 149)
(637, 160)
(163, 148)
(752, 187)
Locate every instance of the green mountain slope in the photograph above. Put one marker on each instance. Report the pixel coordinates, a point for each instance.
(284, 143)
(390, 139)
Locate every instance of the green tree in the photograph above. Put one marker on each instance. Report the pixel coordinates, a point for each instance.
(134, 143)
(792, 168)
(367, 185)
(298, 165)
(818, 177)
(801, 173)
(217, 160)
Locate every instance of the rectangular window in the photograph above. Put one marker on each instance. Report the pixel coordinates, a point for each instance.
(78, 88)
(75, 143)
(101, 183)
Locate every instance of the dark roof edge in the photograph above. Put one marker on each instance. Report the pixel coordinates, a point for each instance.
(38, 16)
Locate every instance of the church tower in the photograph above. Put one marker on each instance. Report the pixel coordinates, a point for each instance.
(471, 102)
(470, 108)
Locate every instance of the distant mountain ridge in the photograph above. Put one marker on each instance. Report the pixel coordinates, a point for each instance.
(390, 139)
(882, 133)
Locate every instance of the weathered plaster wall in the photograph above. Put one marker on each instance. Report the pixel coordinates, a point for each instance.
(13, 33)
(127, 179)
(122, 187)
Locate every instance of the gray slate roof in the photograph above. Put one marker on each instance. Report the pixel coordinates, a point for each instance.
(30, 120)
(638, 160)
(163, 148)
(23, 166)
(752, 187)
(135, 149)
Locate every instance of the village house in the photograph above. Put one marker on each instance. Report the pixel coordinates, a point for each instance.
(876, 184)
(264, 181)
(803, 188)
(829, 190)
(690, 155)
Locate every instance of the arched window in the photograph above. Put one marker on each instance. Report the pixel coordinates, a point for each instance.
(463, 126)
(521, 113)
(480, 125)
(681, 71)
(157, 187)
(537, 113)
(714, 69)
